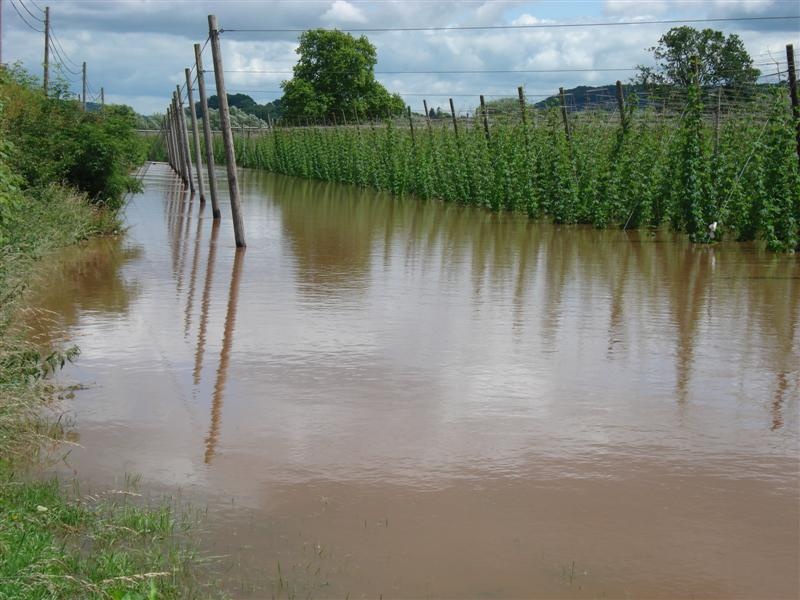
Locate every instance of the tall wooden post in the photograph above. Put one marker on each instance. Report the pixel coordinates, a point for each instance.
(168, 139)
(227, 135)
(717, 114)
(563, 100)
(46, 48)
(176, 157)
(427, 115)
(208, 137)
(176, 124)
(521, 94)
(485, 118)
(453, 114)
(83, 95)
(793, 93)
(621, 105)
(102, 97)
(411, 126)
(196, 137)
(184, 137)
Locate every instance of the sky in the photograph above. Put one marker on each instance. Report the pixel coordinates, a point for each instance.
(137, 50)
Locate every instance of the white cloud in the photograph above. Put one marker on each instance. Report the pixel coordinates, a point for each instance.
(342, 11)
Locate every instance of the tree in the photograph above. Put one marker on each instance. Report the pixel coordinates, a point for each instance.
(336, 74)
(720, 60)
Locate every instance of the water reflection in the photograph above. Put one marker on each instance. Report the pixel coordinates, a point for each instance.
(224, 357)
(513, 382)
(205, 303)
(80, 280)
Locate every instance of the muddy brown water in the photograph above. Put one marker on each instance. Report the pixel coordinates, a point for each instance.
(396, 398)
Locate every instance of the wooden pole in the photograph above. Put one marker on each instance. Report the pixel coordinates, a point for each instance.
(176, 123)
(427, 116)
(621, 105)
(184, 138)
(168, 139)
(411, 126)
(227, 136)
(207, 135)
(485, 118)
(716, 119)
(453, 114)
(521, 94)
(793, 93)
(196, 138)
(563, 99)
(83, 95)
(102, 97)
(46, 48)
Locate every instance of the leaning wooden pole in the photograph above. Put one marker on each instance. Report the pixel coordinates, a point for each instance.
(621, 105)
(184, 137)
(176, 127)
(227, 135)
(207, 135)
(46, 49)
(168, 140)
(485, 114)
(563, 99)
(453, 113)
(195, 137)
(521, 94)
(793, 93)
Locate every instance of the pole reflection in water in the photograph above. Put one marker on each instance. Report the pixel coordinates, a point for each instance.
(193, 276)
(205, 303)
(224, 357)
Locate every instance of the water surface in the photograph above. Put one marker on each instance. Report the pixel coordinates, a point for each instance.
(408, 399)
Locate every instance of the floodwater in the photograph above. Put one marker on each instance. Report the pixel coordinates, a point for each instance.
(397, 398)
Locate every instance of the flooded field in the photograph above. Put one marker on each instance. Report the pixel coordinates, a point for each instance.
(395, 398)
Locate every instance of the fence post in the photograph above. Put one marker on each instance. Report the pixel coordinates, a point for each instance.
(227, 135)
(198, 160)
(411, 126)
(184, 135)
(563, 100)
(427, 115)
(621, 105)
(485, 118)
(793, 93)
(168, 139)
(83, 95)
(521, 95)
(453, 113)
(176, 127)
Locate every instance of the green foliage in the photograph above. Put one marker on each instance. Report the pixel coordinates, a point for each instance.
(50, 139)
(335, 74)
(643, 171)
(722, 60)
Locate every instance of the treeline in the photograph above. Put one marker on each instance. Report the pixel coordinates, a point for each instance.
(738, 180)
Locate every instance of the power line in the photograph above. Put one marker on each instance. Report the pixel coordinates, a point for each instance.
(16, 10)
(60, 45)
(62, 63)
(468, 71)
(27, 10)
(527, 26)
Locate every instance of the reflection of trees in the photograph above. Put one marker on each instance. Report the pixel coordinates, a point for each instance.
(224, 357)
(331, 230)
(81, 279)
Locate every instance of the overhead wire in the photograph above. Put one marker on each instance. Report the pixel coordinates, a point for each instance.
(21, 16)
(27, 10)
(520, 26)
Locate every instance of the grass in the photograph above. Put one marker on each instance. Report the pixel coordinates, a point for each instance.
(54, 542)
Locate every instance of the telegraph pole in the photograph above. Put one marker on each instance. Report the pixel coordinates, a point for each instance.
(102, 98)
(1, 32)
(83, 99)
(46, 48)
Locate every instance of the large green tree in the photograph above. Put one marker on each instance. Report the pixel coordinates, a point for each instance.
(720, 59)
(336, 74)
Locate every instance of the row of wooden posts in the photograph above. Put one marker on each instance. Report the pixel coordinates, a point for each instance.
(176, 135)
